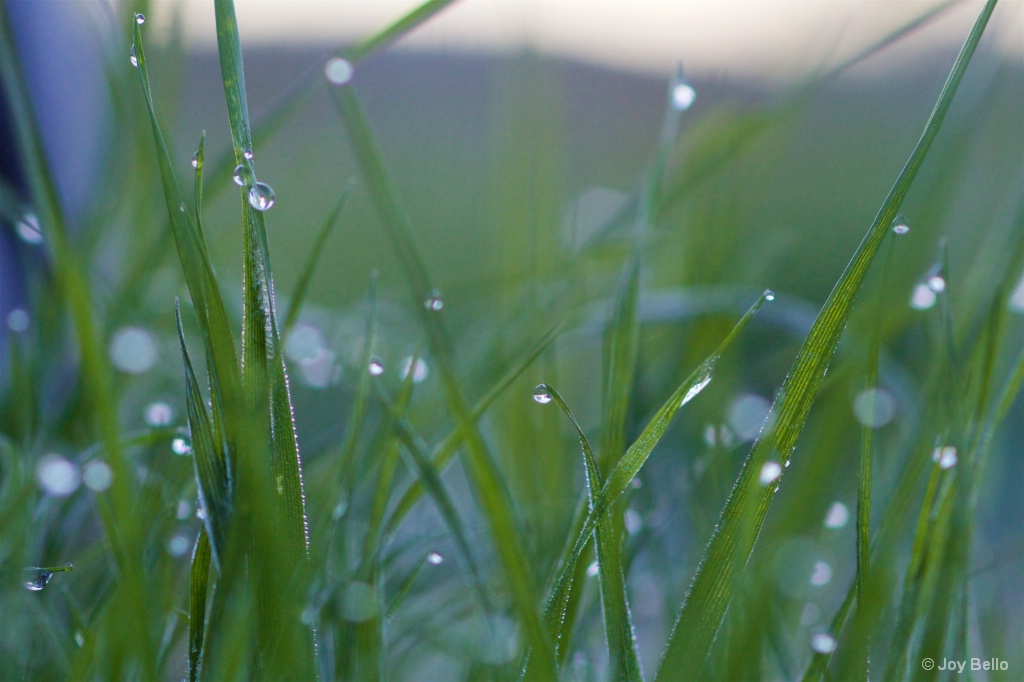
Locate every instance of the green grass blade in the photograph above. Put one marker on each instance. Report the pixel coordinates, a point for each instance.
(712, 587)
(197, 590)
(306, 273)
(618, 623)
(631, 463)
(489, 487)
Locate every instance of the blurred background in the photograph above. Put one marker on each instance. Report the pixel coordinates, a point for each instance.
(518, 134)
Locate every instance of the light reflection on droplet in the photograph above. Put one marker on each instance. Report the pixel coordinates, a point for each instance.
(770, 471)
(900, 225)
(243, 175)
(338, 71)
(837, 516)
(376, 366)
(823, 643)
(541, 394)
(945, 456)
(132, 58)
(133, 350)
(936, 283)
(435, 558)
(769, 295)
(701, 384)
(261, 196)
(195, 160)
(248, 155)
(592, 569)
(180, 446)
(17, 320)
(433, 301)
(922, 298)
(57, 476)
(28, 229)
(419, 372)
(178, 545)
(683, 96)
(158, 414)
(140, 19)
(97, 475)
(821, 574)
(874, 407)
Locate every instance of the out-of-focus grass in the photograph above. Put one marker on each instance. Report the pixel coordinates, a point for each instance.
(535, 195)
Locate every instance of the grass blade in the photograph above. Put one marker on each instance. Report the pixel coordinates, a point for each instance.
(198, 587)
(712, 588)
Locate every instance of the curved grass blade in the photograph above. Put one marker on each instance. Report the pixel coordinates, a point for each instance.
(630, 465)
(488, 485)
(306, 273)
(711, 591)
(197, 590)
(618, 624)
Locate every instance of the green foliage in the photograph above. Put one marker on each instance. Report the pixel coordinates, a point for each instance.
(438, 523)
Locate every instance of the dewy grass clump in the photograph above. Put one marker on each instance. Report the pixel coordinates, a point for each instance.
(726, 520)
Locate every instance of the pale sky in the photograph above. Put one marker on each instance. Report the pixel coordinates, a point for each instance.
(764, 38)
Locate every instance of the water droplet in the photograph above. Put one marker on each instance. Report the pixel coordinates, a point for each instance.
(359, 602)
(433, 301)
(28, 228)
(132, 58)
(936, 283)
(900, 225)
(339, 510)
(79, 638)
(158, 414)
(874, 407)
(945, 456)
(823, 643)
(97, 475)
(17, 320)
(376, 366)
(541, 394)
(636, 483)
(419, 372)
(243, 175)
(248, 155)
(769, 472)
(435, 558)
(769, 295)
(683, 96)
(58, 476)
(837, 515)
(201, 512)
(338, 71)
(261, 196)
(632, 521)
(593, 569)
(702, 382)
(822, 574)
(133, 350)
(178, 545)
(39, 580)
(195, 160)
(180, 446)
(746, 414)
(1016, 301)
(140, 19)
(922, 298)
(184, 510)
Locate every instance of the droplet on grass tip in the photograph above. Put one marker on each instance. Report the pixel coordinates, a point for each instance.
(132, 58)
(17, 320)
(195, 160)
(683, 96)
(922, 297)
(435, 558)
(261, 196)
(40, 580)
(180, 446)
(433, 301)
(243, 175)
(769, 295)
(900, 225)
(542, 394)
(338, 71)
(837, 516)
(140, 18)
(376, 366)
(823, 643)
(769, 472)
(28, 229)
(945, 456)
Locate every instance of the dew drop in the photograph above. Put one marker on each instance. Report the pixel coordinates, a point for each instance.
(195, 160)
(900, 225)
(201, 512)
(40, 580)
(58, 476)
(823, 643)
(419, 371)
(433, 301)
(132, 58)
(769, 472)
(97, 476)
(874, 407)
(183, 510)
(769, 295)
(338, 71)
(435, 558)
(376, 366)
(822, 574)
(837, 516)
(243, 175)
(140, 19)
(922, 297)
(593, 569)
(28, 229)
(181, 447)
(683, 96)
(248, 155)
(79, 638)
(158, 414)
(261, 196)
(133, 350)
(697, 387)
(17, 320)
(178, 545)
(945, 456)
(936, 283)
(632, 521)
(541, 394)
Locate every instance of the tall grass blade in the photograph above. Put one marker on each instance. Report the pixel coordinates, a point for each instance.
(712, 588)
(197, 591)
